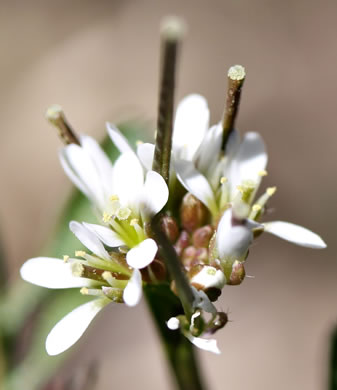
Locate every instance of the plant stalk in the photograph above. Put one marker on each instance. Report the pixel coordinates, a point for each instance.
(180, 353)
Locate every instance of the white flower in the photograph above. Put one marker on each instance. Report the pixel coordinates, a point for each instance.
(220, 180)
(104, 275)
(201, 304)
(125, 197)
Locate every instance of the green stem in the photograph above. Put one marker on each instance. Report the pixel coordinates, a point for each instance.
(174, 267)
(180, 353)
(171, 34)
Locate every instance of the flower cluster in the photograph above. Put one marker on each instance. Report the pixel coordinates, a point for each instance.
(210, 212)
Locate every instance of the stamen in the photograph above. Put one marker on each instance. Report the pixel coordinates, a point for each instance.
(263, 173)
(223, 180)
(80, 253)
(256, 207)
(139, 142)
(91, 291)
(66, 258)
(113, 198)
(271, 191)
(106, 217)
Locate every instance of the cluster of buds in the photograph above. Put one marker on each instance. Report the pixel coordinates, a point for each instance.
(183, 211)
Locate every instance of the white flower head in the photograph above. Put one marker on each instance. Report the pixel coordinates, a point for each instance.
(102, 274)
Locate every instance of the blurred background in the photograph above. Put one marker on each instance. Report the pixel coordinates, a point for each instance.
(100, 61)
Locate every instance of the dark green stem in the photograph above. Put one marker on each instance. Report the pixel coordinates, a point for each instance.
(179, 351)
(171, 35)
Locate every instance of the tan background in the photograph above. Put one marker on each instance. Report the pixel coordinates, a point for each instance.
(99, 59)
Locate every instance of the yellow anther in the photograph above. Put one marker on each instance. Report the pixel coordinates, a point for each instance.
(211, 271)
(223, 180)
(271, 191)
(80, 253)
(106, 217)
(106, 275)
(263, 173)
(256, 207)
(134, 222)
(113, 197)
(65, 258)
(240, 188)
(123, 213)
(84, 291)
(77, 269)
(139, 142)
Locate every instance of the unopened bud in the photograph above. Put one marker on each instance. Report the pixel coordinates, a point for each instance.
(170, 227)
(182, 242)
(193, 256)
(238, 273)
(202, 236)
(193, 213)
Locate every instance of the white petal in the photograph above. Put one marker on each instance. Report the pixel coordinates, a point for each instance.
(190, 125)
(105, 234)
(143, 254)
(208, 153)
(118, 139)
(209, 277)
(101, 162)
(295, 234)
(51, 273)
(209, 345)
(128, 179)
(173, 323)
(89, 239)
(67, 331)
(145, 153)
(73, 176)
(195, 183)
(133, 290)
(84, 168)
(232, 240)
(249, 161)
(155, 195)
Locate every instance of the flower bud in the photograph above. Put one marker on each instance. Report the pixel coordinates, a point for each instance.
(238, 273)
(193, 256)
(182, 242)
(170, 227)
(202, 236)
(193, 213)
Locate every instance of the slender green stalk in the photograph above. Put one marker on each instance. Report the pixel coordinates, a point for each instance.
(236, 77)
(56, 117)
(171, 34)
(179, 351)
(174, 267)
